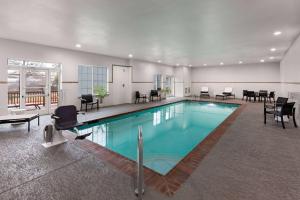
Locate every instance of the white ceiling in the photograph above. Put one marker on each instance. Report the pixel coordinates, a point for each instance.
(173, 31)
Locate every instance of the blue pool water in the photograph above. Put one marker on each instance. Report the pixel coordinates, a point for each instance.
(170, 132)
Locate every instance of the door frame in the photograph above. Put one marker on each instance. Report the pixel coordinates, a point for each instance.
(22, 95)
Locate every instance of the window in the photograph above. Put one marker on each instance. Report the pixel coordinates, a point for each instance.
(91, 77)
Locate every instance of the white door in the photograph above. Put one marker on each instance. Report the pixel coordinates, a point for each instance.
(121, 85)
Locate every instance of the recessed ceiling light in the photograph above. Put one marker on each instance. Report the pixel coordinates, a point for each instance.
(276, 33)
(273, 49)
(130, 55)
(159, 61)
(240, 62)
(190, 65)
(221, 63)
(177, 64)
(271, 58)
(78, 45)
(262, 60)
(204, 64)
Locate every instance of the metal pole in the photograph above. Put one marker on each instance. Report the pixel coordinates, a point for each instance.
(139, 191)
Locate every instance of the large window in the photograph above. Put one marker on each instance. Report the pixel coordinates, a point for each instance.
(91, 77)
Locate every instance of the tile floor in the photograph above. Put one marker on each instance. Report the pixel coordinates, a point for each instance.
(250, 161)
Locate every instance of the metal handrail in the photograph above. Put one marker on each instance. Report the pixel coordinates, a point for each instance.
(140, 170)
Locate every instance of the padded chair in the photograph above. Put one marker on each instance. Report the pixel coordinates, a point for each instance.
(244, 94)
(285, 109)
(139, 96)
(154, 93)
(65, 118)
(88, 99)
(251, 94)
(262, 94)
(271, 96)
(204, 92)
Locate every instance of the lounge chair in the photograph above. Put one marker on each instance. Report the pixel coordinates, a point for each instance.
(139, 96)
(204, 92)
(280, 109)
(88, 99)
(228, 92)
(8, 119)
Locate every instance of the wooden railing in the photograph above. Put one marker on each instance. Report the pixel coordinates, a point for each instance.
(32, 98)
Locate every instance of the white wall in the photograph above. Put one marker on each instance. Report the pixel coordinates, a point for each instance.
(290, 69)
(249, 76)
(68, 58)
(239, 77)
(142, 72)
(290, 73)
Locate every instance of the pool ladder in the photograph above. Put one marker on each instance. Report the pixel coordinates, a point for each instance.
(139, 191)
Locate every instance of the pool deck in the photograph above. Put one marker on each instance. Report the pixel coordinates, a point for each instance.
(248, 160)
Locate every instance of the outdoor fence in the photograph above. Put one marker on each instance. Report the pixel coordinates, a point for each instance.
(35, 98)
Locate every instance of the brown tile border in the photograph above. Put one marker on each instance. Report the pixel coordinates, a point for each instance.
(172, 181)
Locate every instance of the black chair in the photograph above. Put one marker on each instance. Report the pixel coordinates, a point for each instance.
(245, 94)
(262, 94)
(88, 99)
(65, 118)
(139, 96)
(271, 96)
(277, 104)
(285, 109)
(251, 94)
(154, 93)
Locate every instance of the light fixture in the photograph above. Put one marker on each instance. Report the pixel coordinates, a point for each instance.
(190, 65)
(221, 63)
(204, 64)
(262, 60)
(177, 64)
(159, 61)
(276, 33)
(271, 58)
(273, 49)
(130, 55)
(78, 45)
(240, 62)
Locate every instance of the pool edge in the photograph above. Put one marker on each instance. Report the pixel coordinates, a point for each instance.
(167, 184)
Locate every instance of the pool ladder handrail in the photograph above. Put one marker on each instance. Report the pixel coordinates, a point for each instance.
(139, 191)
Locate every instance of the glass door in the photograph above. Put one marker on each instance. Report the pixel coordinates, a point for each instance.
(33, 86)
(13, 81)
(35, 92)
(54, 87)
